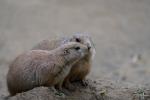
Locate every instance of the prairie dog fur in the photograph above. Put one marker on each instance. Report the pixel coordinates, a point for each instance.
(43, 68)
(81, 68)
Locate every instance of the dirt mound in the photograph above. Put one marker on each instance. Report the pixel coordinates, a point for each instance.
(96, 90)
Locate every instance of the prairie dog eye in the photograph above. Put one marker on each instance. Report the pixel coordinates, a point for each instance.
(77, 48)
(78, 40)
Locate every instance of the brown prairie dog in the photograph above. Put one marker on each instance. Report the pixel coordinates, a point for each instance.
(80, 69)
(43, 68)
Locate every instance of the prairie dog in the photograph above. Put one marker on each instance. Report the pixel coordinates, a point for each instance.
(43, 68)
(81, 68)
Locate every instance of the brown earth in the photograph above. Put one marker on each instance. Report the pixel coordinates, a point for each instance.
(96, 90)
(119, 28)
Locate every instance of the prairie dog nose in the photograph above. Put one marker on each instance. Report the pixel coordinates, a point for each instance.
(89, 46)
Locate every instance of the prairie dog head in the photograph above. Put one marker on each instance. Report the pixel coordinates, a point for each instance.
(73, 51)
(85, 39)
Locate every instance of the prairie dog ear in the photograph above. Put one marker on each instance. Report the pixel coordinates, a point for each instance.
(66, 51)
